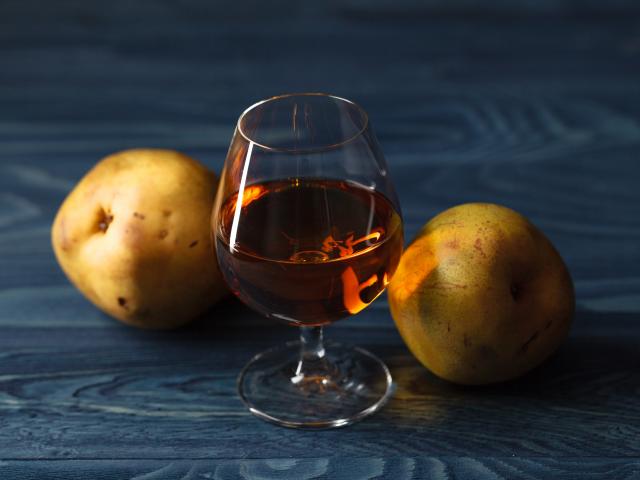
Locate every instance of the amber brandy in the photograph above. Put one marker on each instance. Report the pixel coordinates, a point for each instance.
(308, 251)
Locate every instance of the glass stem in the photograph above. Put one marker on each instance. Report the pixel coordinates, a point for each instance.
(312, 364)
(312, 347)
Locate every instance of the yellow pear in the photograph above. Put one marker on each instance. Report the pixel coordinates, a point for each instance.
(133, 236)
(481, 295)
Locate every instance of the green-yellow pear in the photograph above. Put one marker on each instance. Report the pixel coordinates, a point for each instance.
(133, 236)
(481, 295)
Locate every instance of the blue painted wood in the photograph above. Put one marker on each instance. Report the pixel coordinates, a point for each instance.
(535, 105)
(400, 468)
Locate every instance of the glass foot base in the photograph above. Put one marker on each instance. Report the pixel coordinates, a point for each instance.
(345, 385)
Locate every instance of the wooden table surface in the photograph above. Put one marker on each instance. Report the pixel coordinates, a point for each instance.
(535, 105)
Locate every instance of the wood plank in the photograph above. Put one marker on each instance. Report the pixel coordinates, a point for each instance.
(105, 393)
(335, 468)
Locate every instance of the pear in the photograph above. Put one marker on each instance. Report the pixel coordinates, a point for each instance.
(481, 295)
(134, 237)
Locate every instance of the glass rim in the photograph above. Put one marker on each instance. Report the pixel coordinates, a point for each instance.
(360, 110)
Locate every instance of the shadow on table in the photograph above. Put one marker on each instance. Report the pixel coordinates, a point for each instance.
(596, 372)
(597, 367)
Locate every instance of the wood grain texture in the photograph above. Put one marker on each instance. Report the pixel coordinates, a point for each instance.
(400, 468)
(535, 105)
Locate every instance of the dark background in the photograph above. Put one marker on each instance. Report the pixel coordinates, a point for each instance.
(531, 104)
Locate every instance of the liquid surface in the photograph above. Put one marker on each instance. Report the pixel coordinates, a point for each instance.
(308, 252)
